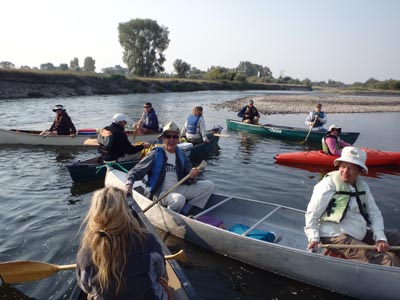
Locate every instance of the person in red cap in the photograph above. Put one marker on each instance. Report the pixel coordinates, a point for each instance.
(342, 210)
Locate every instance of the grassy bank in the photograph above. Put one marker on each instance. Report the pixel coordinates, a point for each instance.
(29, 84)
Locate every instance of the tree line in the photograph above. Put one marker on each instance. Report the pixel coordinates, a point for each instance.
(144, 42)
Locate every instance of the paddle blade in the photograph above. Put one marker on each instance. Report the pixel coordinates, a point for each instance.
(90, 142)
(23, 271)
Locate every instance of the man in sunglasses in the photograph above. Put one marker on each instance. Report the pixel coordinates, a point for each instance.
(165, 166)
(148, 123)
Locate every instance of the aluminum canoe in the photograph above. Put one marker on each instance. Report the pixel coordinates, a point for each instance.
(288, 257)
(33, 137)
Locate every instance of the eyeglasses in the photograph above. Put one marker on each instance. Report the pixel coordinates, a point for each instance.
(173, 136)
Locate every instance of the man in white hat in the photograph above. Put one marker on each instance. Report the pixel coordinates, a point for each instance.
(331, 143)
(165, 166)
(114, 144)
(342, 210)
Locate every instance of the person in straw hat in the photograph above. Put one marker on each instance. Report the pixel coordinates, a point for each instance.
(165, 166)
(331, 143)
(342, 210)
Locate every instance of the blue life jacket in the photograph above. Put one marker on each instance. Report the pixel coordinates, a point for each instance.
(192, 124)
(320, 114)
(158, 165)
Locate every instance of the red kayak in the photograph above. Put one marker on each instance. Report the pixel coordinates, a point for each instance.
(374, 158)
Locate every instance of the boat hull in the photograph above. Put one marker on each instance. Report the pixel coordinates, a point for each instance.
(286, 132)
(287, 258)
(33, 137)
(374, 158)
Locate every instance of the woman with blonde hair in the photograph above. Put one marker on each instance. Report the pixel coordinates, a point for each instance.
(117, 259)
(195, 127)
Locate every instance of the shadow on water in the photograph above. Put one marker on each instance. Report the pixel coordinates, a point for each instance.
(9, 292)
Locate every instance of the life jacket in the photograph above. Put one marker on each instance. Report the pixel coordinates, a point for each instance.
(325, 147)
(321, 115)
(338, 205)
(158, 164)
(105, 138)
(192, 122)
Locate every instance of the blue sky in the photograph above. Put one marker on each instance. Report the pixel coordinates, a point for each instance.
(343, 40)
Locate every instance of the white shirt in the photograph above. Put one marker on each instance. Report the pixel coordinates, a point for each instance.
(352, 224)
(170, 173)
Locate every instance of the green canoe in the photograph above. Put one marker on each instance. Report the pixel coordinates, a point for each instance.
(287, 132)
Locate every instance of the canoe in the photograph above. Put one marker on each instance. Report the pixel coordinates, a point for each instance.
(287, 132)
(95, 169)
(33, 137)
(374, 158)
(179, 286)
(249, 222)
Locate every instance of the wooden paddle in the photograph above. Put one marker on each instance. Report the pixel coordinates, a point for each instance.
(23, 271)
(343, 246)
(309, 131)
(224, 135)
(200, 167)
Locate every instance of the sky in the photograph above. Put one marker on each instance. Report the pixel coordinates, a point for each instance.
(343, 40)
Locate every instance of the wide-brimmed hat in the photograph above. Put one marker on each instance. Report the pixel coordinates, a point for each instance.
(170, 126)
(119, 118)
(333, 126)
(353, 155)
(58, 106)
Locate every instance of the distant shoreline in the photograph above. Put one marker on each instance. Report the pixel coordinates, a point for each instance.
(295, 104)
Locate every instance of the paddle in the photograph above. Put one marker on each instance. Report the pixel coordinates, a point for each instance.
(222, 135)
(23, 271)
(200, 167)
(90, 142)
(309, 131)
(343, 246)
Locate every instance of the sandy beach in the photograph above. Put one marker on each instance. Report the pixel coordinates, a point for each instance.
(293, 104)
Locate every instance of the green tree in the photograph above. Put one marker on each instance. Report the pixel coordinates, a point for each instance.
(89, 64)
(63, 67)
(74, 64)
(144, 42)
(181, 68)
(117, 70)
(47, 67)
(7, 65)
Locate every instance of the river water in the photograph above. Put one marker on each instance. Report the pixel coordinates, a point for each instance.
(41, 208)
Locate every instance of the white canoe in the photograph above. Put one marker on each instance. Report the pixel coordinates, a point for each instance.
(287, 257)
(33, 137)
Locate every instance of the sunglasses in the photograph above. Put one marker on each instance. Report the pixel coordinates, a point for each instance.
(173, 136)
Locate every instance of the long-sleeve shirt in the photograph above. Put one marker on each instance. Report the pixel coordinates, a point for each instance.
(331, 143)
(352, 224)
(319, 123)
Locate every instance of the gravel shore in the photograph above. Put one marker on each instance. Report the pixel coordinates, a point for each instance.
(294, 104)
